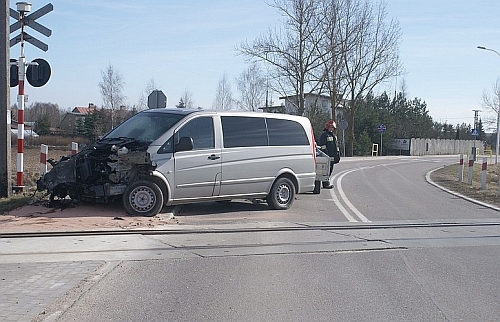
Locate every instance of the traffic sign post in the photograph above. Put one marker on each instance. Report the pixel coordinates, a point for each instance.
(381, 128)
(38, 70)
(157, 99)
(475, 134)
(343, 125)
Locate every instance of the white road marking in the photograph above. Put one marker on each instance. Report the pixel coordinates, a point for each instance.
(343, 197)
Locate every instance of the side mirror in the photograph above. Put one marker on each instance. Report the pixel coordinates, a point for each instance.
(185, 144)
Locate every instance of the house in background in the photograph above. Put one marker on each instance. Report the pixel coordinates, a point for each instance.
(77, 116)
(71, 119)
(312, 101)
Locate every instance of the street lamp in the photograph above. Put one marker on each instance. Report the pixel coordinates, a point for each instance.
(498, 110)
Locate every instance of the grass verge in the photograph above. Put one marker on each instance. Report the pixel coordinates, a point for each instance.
(448, 177)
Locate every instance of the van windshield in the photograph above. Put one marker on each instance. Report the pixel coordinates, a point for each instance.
(145, 127)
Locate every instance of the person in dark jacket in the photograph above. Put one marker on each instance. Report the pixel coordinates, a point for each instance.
(328, 143)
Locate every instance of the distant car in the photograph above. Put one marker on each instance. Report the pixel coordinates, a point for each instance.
(175, 156)
(27, 133)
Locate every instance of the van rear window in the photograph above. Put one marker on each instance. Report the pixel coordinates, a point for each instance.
(241, 131)
(286, 132)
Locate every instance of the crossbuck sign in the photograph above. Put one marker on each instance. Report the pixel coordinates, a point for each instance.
(29, 20)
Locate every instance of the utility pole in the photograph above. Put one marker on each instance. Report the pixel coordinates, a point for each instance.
(5, 139)
(475, 132)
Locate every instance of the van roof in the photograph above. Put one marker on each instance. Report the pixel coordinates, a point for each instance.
(187, 111)
(182, 111)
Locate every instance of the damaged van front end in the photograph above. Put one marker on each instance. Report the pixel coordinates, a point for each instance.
(106, 170)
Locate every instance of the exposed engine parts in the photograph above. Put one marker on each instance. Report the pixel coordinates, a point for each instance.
(100, 172)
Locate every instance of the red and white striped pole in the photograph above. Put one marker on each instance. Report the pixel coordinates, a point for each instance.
(461, 169)
(484, 169)
(74, 148)
(20, 120)
(44, 150)
(471, 169)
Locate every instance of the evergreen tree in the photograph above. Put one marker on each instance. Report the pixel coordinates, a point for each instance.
(181, 104)
(42, 126)
(80, 127)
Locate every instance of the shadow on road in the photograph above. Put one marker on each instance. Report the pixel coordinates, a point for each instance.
(221, 207)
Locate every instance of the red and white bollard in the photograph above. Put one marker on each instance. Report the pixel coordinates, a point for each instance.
(471, 169)
(461, 169)
(44, 151)
(74, 148)
(484, 169)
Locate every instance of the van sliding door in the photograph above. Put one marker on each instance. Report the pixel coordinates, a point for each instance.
(197, 172)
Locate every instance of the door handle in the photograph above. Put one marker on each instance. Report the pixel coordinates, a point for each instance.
(213, 157)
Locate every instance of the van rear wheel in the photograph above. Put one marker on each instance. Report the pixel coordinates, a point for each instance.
(143, 198)
(281, 195)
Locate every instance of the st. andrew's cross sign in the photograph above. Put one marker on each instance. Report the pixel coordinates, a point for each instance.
(29, 20)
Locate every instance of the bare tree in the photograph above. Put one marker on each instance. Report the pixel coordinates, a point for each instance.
(187, 98)
(343, 47)
(38, 110)
(491, 101)
(223, 96)
(373, 59)
(111, 87)
(291, 51)
(252, 87)
(143, 100)
(334, 41)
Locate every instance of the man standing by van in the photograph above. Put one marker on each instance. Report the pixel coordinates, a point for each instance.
(328, 143)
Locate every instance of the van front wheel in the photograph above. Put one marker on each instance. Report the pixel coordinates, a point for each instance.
(281, 195)
(143, 198)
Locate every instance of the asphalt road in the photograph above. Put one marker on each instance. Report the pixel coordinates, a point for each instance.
(366, 190)
(383, 245)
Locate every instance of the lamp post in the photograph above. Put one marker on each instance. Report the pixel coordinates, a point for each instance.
(498, 110)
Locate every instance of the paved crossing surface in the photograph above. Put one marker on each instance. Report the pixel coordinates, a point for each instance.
(28, 288)
(38, 272)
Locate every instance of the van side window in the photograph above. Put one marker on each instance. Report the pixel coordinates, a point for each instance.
(201, 129)
(286, 132)
(240, 131)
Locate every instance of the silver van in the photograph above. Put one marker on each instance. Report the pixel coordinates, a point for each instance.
(175, 156)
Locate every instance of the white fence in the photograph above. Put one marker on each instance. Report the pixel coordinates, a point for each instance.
(441, 146)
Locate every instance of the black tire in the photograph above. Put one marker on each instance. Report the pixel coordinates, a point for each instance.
(317, 187)
(143, 198)
(281, 195)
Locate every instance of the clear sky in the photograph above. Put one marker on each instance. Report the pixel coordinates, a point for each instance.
(189, 44)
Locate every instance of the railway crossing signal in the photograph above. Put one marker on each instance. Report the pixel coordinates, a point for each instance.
(29, 20)
(37, 72)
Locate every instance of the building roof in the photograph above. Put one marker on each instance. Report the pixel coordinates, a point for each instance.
(81, 110)
(305, 95)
